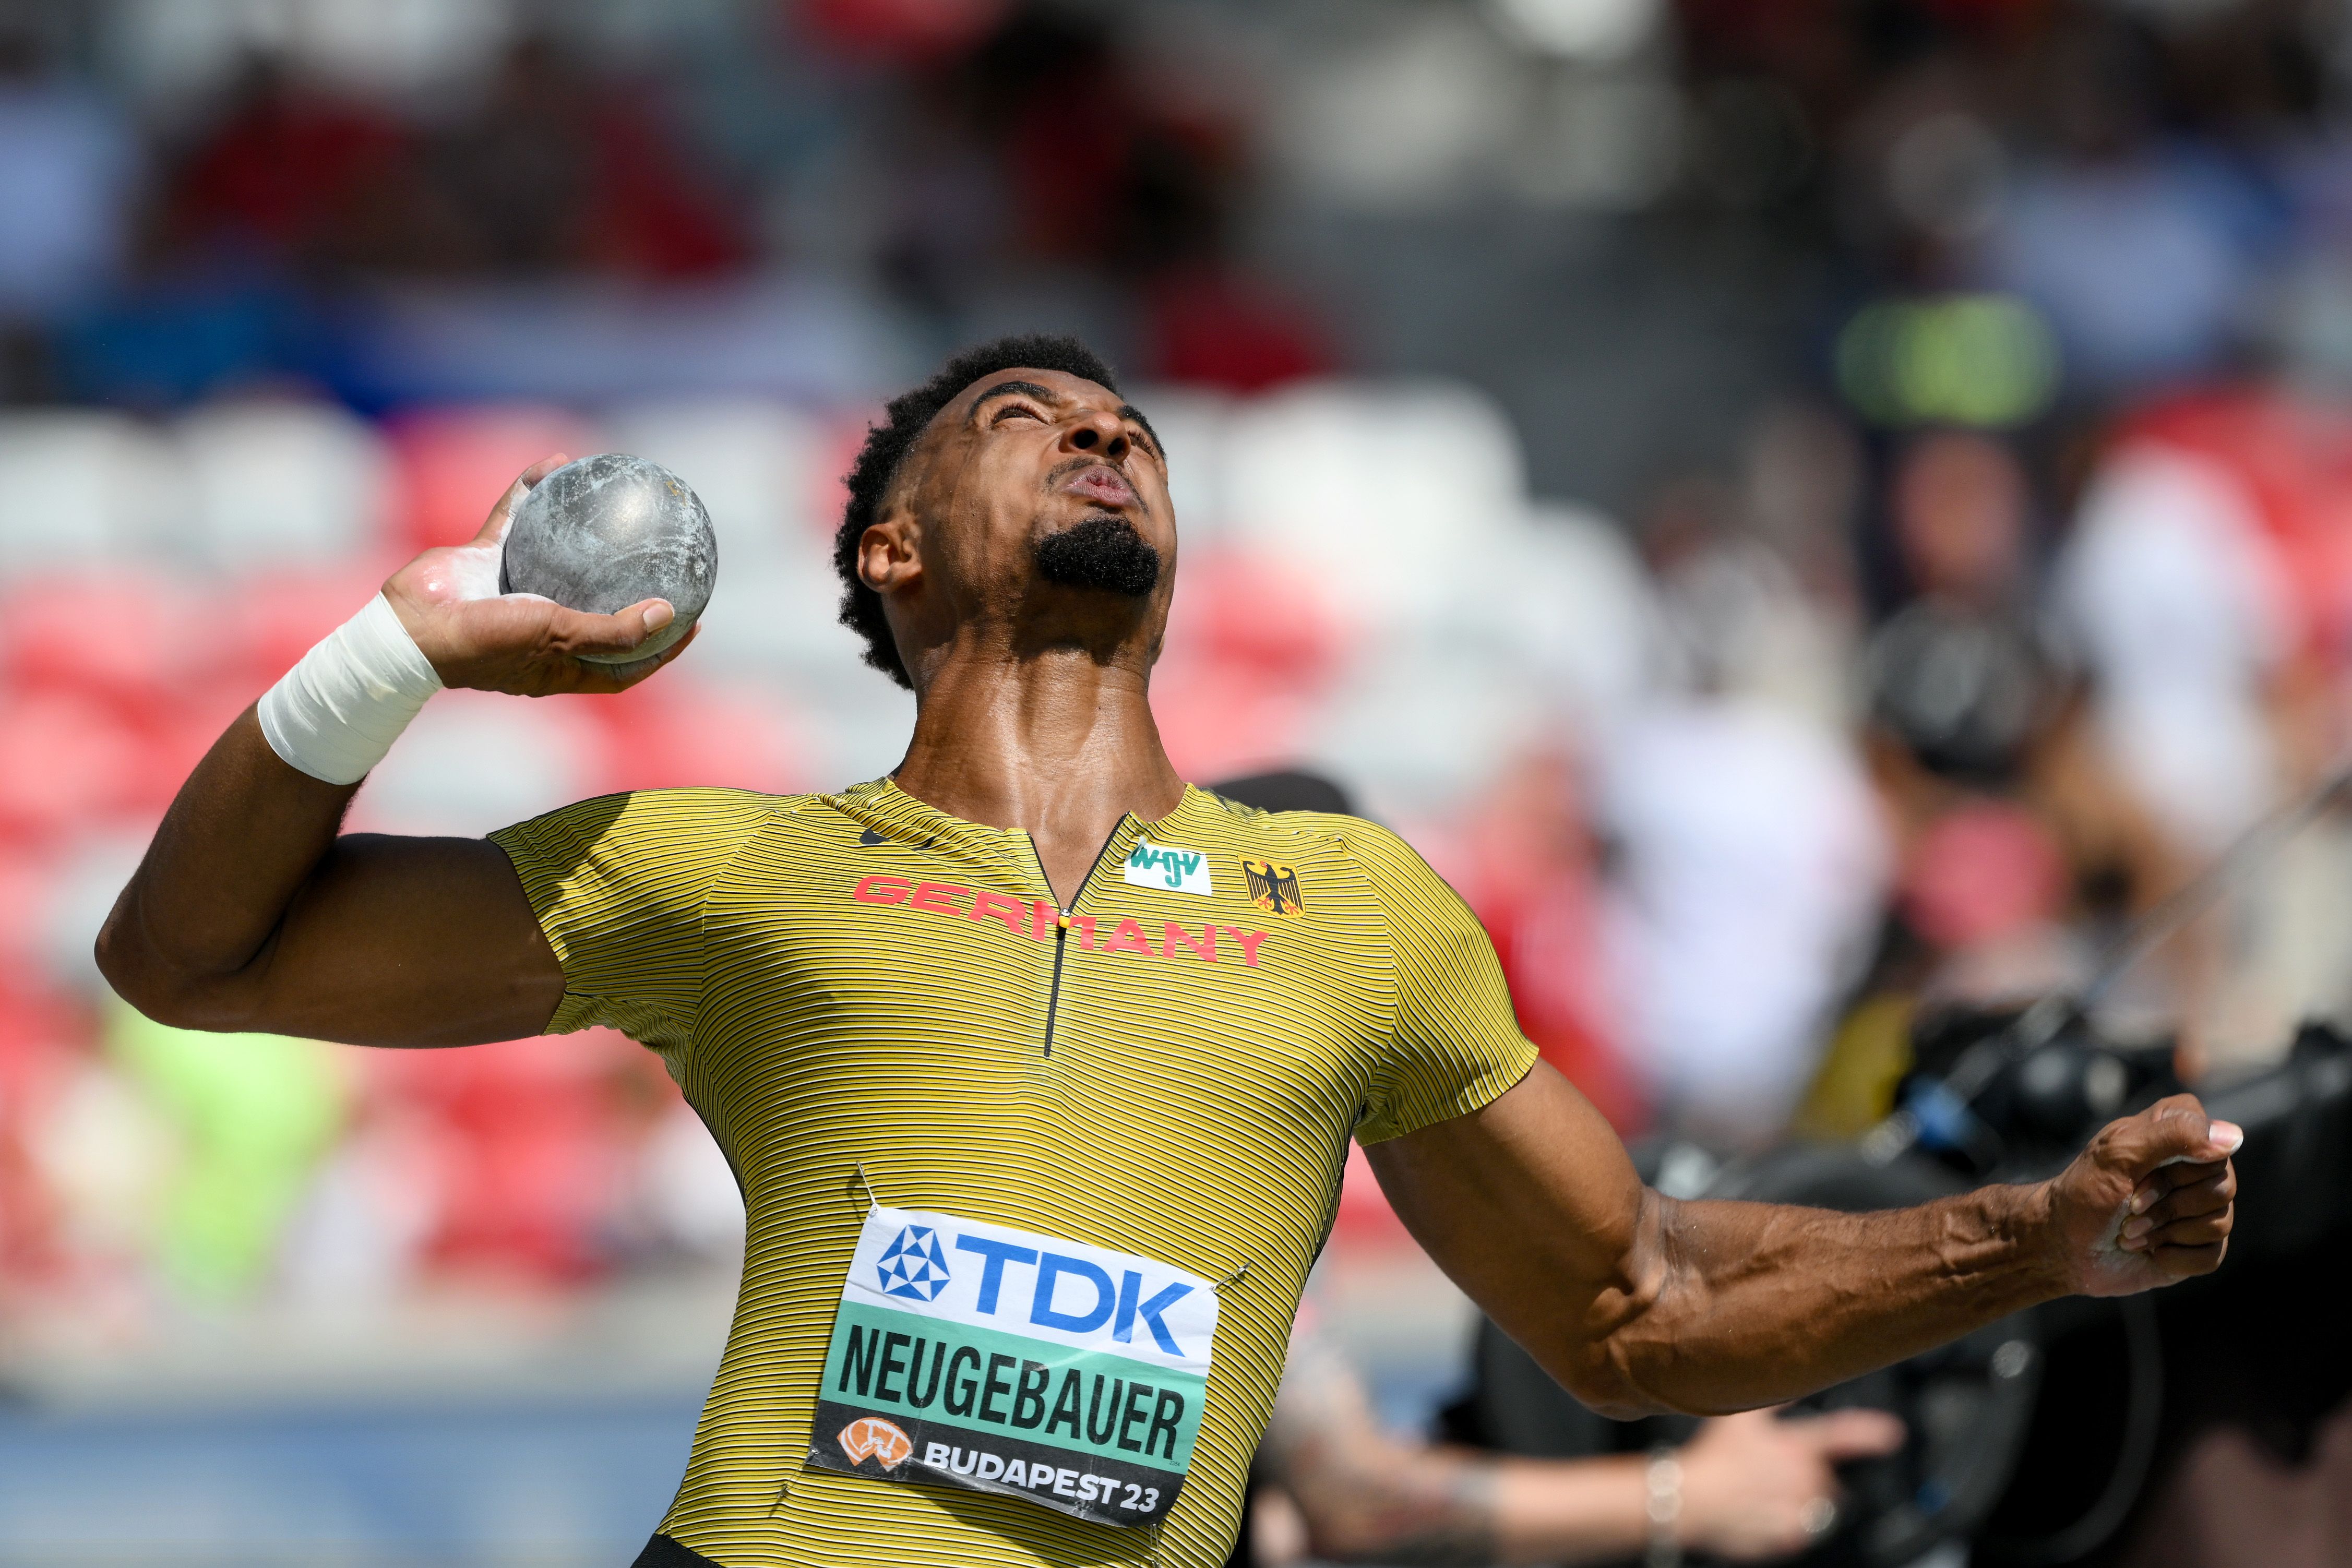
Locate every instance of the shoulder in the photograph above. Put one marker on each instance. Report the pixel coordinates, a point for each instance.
(1378, 852)
(693, 818)
(1374, 871)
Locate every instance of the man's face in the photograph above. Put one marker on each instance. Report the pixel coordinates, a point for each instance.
(1033, 510)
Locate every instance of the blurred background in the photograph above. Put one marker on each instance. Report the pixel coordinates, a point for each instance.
(1810, 513)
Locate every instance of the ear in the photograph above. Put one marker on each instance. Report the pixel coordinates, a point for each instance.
(887, 555)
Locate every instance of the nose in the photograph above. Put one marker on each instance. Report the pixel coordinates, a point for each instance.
(1099, 431)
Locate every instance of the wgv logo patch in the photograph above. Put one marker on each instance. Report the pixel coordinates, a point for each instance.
(1157, 865)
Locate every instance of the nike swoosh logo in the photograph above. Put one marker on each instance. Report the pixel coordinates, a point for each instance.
(870, 838)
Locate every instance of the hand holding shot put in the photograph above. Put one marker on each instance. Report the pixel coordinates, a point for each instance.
(480, 628)
(1031, 1045)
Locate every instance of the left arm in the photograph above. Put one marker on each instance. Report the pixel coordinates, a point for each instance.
(1637, 1303)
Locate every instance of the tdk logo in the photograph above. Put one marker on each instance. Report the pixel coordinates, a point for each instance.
(911, 1266)
(914, 1267)
(1155, 865)
(1090, 1291)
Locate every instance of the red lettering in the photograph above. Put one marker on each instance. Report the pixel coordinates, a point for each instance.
(994, 906)
(1249, 941)
(880, 889)
(1043, 918)
(1130, 938)
(1084, 925)
(930, 896)
(1204, 947)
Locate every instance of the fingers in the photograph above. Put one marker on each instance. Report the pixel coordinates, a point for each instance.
(2172, 1130)
(2209, 1193)
(494, 527)
(2190, 1231)
(578, 632)
(606, 679)
(1843, 1435)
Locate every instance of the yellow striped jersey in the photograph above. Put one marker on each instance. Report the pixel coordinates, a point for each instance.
(872, 1003)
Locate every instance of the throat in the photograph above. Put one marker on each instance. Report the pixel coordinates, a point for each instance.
(1062, 762)
(1069, 861)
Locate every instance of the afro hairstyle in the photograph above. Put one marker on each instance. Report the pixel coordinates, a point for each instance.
(904, 419)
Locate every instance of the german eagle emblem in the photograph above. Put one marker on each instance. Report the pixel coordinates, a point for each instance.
(1273, 887)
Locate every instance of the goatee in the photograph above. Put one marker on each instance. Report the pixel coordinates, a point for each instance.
(1102, 552)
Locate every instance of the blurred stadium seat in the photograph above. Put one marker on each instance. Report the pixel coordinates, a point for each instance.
(451, 465)
(473, 762)
(85, 486)
(1391, 492)
(278, 484)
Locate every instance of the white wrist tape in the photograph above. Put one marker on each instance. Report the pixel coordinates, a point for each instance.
(338, 712)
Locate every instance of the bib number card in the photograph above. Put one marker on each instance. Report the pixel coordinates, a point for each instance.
(975, 1355)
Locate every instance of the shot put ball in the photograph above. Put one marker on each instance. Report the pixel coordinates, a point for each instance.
(603, 533)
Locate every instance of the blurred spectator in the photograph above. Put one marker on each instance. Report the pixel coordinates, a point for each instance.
(67, 163)
(1747, 854)
(291, 176)
(553, 169)
(252, 1116)
(2206, 591)
(559, 169)
(1757, 582)
(1530, 873)
(2141, 246)
(2014, 841)
(1332, 1484)
(1749, 867)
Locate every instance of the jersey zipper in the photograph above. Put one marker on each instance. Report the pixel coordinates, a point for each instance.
(1062, 928)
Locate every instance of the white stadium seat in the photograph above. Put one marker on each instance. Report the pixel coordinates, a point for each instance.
(473, 761)
(1392, 489)
(277, 483)
(80, 487)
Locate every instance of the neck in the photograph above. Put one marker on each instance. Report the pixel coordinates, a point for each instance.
(1053, 744)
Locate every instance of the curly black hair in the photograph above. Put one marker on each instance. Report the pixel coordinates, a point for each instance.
(887, 444)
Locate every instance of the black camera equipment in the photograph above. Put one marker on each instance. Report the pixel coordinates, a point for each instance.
(2036, 1440)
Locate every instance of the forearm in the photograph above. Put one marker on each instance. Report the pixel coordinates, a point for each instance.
(241, 839)
(1570, 1510)
(1392, 1502)
(1751, 1304)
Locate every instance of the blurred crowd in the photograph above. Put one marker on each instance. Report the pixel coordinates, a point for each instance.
(1872, 663)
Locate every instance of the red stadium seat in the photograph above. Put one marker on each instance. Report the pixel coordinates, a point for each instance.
(450, 466)
(128, 636)
(537, 1135)
(674, 730)
(66, 760)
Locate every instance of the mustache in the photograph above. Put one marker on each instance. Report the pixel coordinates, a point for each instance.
(1102, 552)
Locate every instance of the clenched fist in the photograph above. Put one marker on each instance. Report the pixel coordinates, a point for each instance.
(2147, 1202)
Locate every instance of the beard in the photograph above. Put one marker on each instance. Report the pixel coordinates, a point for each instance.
(1102, 552)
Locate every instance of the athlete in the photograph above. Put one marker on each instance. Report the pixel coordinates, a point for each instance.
(1037, 1065)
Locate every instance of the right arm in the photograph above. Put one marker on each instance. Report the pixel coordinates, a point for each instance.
(251, 912)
